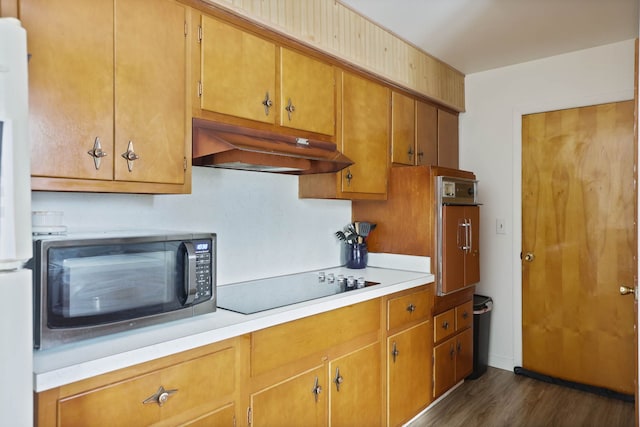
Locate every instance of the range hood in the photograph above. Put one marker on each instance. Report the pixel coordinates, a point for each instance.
(233, 147)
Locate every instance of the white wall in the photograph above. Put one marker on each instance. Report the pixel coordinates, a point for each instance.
(490, 145)
(263, 228)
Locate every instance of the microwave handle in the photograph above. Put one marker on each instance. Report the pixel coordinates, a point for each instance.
(190, 283)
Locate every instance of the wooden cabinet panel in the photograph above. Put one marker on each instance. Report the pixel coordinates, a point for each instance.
(150, 83)
(464, 354)
(238, 72)
(403, 129)
(472, 261)
(70, 86)
(426, 134)
(447, 139)
(460, 266)
(292, 402)
(192, 386)
(409, 372)
(223, 417)
(464, 316)
(284, 344)
(444, 367)
(444, 325)
(307, 88)
(407, 309)
(355, 382)
(365, 135)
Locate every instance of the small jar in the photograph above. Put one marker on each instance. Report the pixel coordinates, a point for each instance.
(356, 255)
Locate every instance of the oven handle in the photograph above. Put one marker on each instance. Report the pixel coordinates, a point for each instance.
(190, 282)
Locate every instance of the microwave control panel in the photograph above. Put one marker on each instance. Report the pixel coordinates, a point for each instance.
(204, 270)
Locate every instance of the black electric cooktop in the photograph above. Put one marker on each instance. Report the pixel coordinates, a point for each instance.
(265, 294)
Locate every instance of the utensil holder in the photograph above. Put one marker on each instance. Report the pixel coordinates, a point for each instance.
(356, 255)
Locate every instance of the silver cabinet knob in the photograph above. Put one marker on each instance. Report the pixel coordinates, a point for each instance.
(130, 156)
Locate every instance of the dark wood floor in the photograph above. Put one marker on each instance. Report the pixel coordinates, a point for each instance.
(502, 398)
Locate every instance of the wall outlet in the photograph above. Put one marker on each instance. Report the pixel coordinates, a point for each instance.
(500, 226)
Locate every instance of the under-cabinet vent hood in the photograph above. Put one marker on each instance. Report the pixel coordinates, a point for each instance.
(234, 147)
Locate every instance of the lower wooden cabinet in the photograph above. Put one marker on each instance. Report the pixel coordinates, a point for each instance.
(193, 389)
(453, 350)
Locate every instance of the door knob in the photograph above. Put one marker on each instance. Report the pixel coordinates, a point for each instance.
(529, 257)
(624, 290)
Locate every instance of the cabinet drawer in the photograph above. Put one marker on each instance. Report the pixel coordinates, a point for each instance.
(290, 342)
(444, 325)
(406, 309)
(192, 386)
(464, 316)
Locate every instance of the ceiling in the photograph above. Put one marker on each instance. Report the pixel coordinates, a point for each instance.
(478, 35)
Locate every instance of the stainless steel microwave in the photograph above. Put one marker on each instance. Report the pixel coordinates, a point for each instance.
(88, 286)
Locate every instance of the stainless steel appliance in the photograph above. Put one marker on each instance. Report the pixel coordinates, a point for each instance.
(264, 294)
(87, 286)
(457, 234)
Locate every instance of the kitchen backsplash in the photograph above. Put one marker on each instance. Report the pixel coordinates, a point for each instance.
(263, 228)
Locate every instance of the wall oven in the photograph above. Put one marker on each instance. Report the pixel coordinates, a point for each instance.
(87, 286)
(457, 234)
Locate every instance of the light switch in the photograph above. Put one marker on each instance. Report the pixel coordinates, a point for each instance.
(500, 226)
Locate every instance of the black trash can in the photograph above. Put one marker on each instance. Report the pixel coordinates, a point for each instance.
(482, 306)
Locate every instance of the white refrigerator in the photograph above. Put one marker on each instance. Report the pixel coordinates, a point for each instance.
(16, 330)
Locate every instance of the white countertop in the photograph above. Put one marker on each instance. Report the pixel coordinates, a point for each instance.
(77, 361)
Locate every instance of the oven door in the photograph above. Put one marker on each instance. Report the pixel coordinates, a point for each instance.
(108, 283)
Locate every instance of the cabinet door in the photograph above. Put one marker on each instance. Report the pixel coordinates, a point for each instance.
(365, 135)
(472, 259)
(307, 93)
(356, 383)
(464, 354)
(409, 372)
(150, 84)
(70, 86)
(444, 366)
(447, 139)
(295, 402)
(426, 134)
(403, 130)
(238, 72)
(453, 257)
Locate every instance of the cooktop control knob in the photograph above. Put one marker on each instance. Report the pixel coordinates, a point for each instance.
(321, 276)
(351, 281)
(361, 282)
(331, 278)
(340, 279)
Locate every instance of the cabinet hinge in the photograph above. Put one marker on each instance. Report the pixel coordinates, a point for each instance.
(249, 416)
(184, 163)
(186, 29)
(199, 33)
(199, 88)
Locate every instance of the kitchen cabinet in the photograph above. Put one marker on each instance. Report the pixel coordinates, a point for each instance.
(364, 138)
(403, 129)
(108, 95)
(427, 134)
(447, 139)
(460, 247)
(247, 76)
(409, 354)
(197, 387)
(300, 369)
(453, 347)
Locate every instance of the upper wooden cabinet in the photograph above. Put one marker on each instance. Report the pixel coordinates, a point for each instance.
(427, 134)
(364, 138)
(242, 75)
(403, 129)
(447, 139)
(238, 75)
(107, 95)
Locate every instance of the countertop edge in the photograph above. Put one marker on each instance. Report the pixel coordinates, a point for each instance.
(48, 374)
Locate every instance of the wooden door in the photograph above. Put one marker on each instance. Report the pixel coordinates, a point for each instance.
(447, 139)
(70, 86)
(310, 86)
(426, 134)
(444, 366)
(409, 373)
(238, 72)
(291, 403)
(464, 354)
(151, 90)
(472, 256)
(579, 244)
(403, 129)
(365, 135)
(355, 382)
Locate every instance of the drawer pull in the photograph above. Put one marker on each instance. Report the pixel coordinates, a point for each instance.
(452, 352)
(445, 325)
(465, 315)
(160, 397)
(316, 390)
(411, 308)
